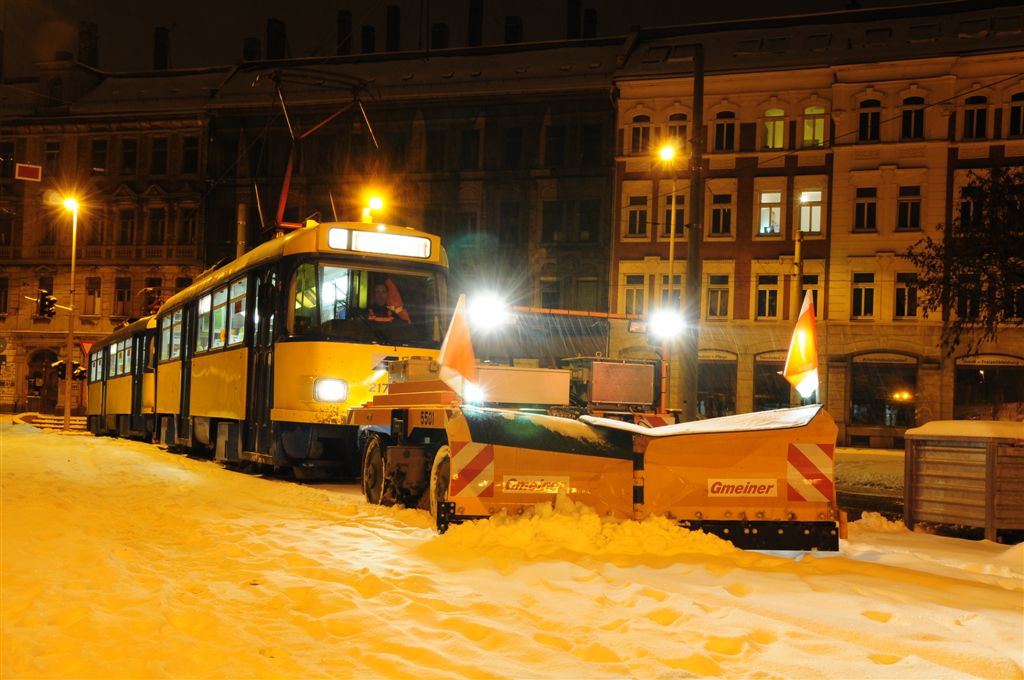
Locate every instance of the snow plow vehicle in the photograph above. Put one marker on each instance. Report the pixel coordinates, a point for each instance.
(760, 480)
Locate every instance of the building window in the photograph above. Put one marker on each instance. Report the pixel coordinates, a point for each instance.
(187, 233)
(554, 146)
(589, 219)
(510, 225)
(870, 120)
(51, 158)
(814, 127)
(865, 209)
(770, 220)
(125, 227)
(4, 287)
(680, 206)
(908, 209)
(587, 294)
(553, 222)
(863, 296)
(550, 295)
(640, 135)
(436, 149)
(122, 297)
(129, 156)
(157, 226)
(767, 297)
(182, 282)
(912, 126)
(976, 118)
(635, 294)
(469, 150)
(725, 131)
(809, 283)
(676, 290)
(969, 295)
(1017, 115)
(190, 155)
(637, 218)
(512, 148)
(591, 143)
(718, 296)
(92, 296)
(158, 161)
(810, 211)
(6, 229)
(770, 390)
(906, 295)
(721, 215)
(774, 128)
(98, 157)
(677, 129)
(7, 161)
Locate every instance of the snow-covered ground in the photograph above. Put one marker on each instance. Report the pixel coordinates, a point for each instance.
(875, 471)
(122, 560)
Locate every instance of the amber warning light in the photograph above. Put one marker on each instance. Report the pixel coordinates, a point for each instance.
(381, 243)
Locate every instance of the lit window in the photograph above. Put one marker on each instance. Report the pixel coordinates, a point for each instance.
(774, 128)
(675, 289)
(640, 134)
(203, 326)
(634, 294)
(236, 313)
(770, 214)
(814, 127)
(677, 129)
(810, 211)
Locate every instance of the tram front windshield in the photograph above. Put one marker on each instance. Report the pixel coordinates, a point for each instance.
(382, 306)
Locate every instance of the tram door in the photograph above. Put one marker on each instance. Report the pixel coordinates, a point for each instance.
(140, 353)
(188, 348)
(261, 364)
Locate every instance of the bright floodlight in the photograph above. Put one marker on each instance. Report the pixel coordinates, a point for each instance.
(666, 324)
(488, 311)
(667, 152)
(809, 385)
(71, 204)
(474, 394)
(376, 203)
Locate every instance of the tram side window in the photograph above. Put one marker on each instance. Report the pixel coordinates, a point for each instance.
(96, 367)
(165, 338)
(203, 326)
(176, 322)
(305, 299)
(220, 317)
(112, 361)
(236, 313)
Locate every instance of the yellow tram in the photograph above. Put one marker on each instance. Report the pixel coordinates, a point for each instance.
(122, 382)
(261, 359)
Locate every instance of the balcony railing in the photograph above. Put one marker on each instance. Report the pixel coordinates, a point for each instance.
(103, 253)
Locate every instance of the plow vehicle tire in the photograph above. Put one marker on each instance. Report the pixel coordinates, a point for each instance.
(373, 478)
(440, 476)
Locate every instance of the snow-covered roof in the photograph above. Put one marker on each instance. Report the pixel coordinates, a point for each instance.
(972, 429)
(778, 419)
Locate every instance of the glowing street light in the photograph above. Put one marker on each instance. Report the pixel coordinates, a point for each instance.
(372, 203)
(488, 311)
(666, 324)
(72, 205)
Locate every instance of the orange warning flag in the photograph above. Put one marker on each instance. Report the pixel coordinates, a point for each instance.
(457, 361)
(801, 368)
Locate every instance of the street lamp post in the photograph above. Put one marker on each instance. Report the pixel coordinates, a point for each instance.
(668, 154)
(72, 205)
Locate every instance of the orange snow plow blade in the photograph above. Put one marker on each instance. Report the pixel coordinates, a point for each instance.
(760, 480)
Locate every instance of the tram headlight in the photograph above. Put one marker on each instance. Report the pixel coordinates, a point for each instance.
(330, 390)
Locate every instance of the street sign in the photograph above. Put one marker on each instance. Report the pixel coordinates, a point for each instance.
(28, 172)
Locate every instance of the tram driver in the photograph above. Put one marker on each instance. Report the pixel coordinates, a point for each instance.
(386, 304)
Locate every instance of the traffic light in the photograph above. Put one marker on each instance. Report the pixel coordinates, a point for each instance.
(45, 304)
(78, 371)
(62, 371)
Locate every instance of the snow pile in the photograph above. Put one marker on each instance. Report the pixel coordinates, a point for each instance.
(122, 560)
(872, 521)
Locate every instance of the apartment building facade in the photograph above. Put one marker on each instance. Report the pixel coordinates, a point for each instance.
(851, 133)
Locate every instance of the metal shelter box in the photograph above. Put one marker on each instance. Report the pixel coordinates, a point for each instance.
(966, 472)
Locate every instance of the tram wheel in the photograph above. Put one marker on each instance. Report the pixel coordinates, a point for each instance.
(373, 469)
(440, 477)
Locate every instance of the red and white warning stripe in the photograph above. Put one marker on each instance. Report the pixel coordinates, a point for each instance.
(810, 473)
(472, 469)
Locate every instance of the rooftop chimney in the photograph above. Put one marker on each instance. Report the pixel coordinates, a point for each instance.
(88, 43)
(344, 31)
(277, 39)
